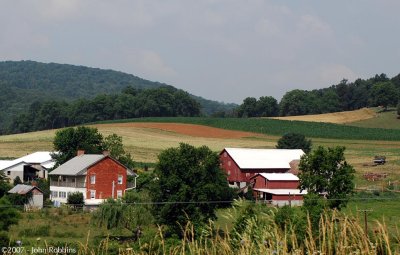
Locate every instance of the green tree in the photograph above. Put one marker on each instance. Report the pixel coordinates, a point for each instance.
(248, 108)
(76, 199)
(398, 108)
(297, 102)
(294, 141)
(113, 143)
(267, 107)
(4, 184)
(326, 171)
(69, 140)
(385, 94)
(125, 213)
(190, 184)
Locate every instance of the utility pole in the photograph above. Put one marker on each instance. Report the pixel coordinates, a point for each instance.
(365, 220)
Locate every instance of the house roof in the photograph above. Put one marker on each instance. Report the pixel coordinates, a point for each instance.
(77, 165)
(264, 158)
(283, 191)
(279, 176)
(39, 157)
(23, 189)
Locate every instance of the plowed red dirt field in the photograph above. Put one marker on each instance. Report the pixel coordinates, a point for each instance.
(190, 129)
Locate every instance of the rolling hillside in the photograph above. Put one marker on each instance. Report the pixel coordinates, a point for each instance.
(145, 140)
(24, 82)
(335, 117)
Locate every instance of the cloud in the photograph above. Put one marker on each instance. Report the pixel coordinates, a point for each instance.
(330, 74)
(313, 25)
(149, 63)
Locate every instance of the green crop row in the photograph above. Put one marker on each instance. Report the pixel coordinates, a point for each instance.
(280, 127)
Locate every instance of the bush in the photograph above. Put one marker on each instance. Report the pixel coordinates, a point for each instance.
(76, 199)
(294, 141)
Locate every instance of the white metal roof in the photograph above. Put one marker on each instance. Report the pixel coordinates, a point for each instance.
(40, 157)
(4, 163)
(280, 176)
(264, 158)
(283, 191)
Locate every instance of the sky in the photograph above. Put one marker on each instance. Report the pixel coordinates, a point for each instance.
(225, 50)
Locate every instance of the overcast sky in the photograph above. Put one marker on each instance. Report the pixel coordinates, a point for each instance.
(224, 50)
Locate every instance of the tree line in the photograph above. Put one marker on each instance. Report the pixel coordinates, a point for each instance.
(131, 103)
(345, 96)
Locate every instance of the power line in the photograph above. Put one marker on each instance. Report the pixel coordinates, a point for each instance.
(224, 202)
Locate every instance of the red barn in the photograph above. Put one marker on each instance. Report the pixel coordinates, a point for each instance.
(241, 164)
(277, 188)
(96, 176)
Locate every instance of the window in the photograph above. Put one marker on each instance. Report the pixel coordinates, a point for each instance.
(225, 154)
(62, 194)
(64, 179)
(92, 194)
(120, 178)
(8, 172)
(54, 194)
(229, 172)
(119, 193)
(93, 179)
(229, 163)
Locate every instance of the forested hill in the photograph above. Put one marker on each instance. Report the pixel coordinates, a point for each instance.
(24, 82)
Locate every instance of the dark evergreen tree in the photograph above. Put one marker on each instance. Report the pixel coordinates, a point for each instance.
(294, 141)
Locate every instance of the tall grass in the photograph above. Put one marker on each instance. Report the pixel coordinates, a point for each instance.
(280, 127)
(337, 234)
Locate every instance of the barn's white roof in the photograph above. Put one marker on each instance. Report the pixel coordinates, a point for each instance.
(280, 176)
(264, 158)
(283, 191)
(4, 163)
(40, 157)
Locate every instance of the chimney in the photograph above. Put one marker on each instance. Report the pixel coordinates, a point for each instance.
(34, 184)
(80, 152)
(106, 153)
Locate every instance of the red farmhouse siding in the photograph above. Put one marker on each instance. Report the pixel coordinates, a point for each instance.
(235, 174)
(261, 182)
(106, 171)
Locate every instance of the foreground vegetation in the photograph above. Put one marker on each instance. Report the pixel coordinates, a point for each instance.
(263, 233)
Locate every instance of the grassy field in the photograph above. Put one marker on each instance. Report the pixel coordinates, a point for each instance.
(146, 143)
(387, 120)
(335, 117)
(281, 127)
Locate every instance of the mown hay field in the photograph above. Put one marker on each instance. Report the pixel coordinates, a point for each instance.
(335, 117)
